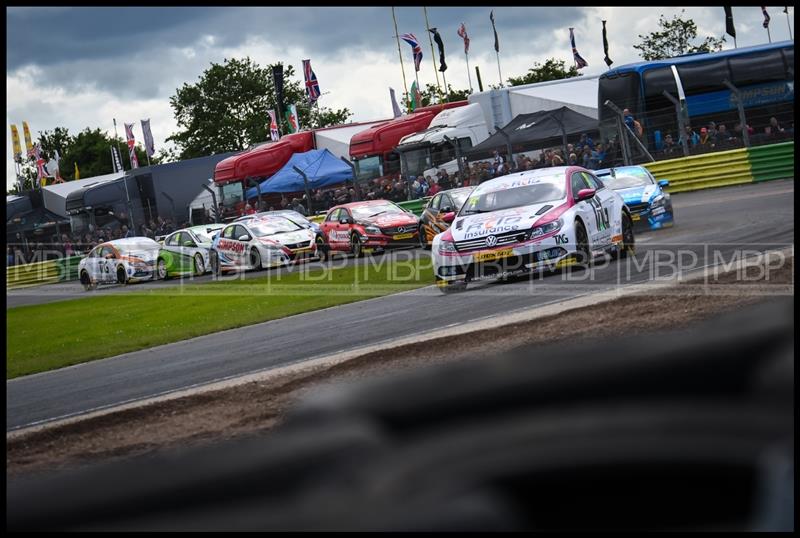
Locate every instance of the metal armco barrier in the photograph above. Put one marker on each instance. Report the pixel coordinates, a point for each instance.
(32, 274)
(734, 167)
(36, 274)
(775, 161)
(415, 206)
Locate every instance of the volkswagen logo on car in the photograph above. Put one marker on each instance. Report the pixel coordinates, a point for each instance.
(491, 241)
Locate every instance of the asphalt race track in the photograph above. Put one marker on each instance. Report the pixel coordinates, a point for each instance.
(711, 227)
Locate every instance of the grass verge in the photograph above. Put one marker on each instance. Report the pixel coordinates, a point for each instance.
(82, 330)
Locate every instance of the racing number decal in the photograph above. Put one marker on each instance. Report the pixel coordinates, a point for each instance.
(600, 214)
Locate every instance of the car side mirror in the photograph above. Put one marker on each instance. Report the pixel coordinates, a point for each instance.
(663, 183)
(244, 237)
(449, 217)
(446, 210)
(346, 220)
(585, 194)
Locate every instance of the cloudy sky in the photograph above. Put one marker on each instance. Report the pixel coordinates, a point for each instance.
(81, 67)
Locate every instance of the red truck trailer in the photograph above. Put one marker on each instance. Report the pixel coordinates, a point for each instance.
(231, 175)
(373, 150)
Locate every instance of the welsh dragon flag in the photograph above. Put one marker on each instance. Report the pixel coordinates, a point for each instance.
(416, 97)
(292, 119)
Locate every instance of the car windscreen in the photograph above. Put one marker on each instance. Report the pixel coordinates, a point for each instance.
(459, 197)
(517, 193)
(205, 236)
(626, 180)
(262, 228)
(366, 211)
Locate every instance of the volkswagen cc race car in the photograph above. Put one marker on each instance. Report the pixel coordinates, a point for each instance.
(119, 261)
(439, 213)
(651, 207)
(185, 252)
(373, 224)
(537, 219)
(266, 241)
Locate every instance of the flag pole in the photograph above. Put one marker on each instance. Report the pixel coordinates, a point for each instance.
(121, 162)
(399, 53)
(497, 53)
(469, 75)
(788, 20)
(768, 35)
(433, 54)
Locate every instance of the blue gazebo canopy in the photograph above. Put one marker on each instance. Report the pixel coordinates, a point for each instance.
(320, 165)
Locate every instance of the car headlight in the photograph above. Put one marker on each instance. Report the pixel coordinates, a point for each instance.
(372, 229)
(658, 201)
(446, 246)
(544, 229)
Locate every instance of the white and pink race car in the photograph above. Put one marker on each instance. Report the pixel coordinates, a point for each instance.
(538, 219)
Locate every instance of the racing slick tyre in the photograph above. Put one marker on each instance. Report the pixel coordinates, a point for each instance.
(122, 278)
(215, 267)
(322, 249)
(199, 265)
(355, 246)
(88, 285)
(255, 259)
(161, 269)
(423, 239)
(627, 247)
(582, 245)
(452, 287)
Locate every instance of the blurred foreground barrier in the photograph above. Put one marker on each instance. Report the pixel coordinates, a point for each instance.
(733, 167)
(676, 430)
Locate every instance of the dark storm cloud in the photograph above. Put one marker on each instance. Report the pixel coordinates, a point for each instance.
(46, 37)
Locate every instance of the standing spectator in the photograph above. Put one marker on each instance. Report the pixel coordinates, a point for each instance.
(498, 159)
(586, 140)
(705, 139)
(69, 250)
(586, 156)
(723, 138)
(573, 159)
(775, 126)
(690, 136)
(633, 124)
(669, 146)
(297, 206)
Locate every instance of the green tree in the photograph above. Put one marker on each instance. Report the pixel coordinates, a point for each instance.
(430, 96)
(552, 69)
(674, 39)
(90, 149)
(227, 109)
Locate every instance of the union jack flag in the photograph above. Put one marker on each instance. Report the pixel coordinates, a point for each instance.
(131, 145)
(579, 61)
(411, 39)
(312, 86)
(462, 33)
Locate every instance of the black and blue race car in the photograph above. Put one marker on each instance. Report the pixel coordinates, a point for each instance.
(650, 206)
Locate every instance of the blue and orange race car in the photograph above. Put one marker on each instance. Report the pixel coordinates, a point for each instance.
(650, 206)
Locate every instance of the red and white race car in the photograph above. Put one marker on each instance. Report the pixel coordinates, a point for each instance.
(373, 224)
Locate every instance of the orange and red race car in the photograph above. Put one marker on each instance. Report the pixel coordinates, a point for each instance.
(373, 224)
(439, 213)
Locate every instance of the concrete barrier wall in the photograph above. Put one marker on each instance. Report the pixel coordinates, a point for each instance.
(733, 167)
